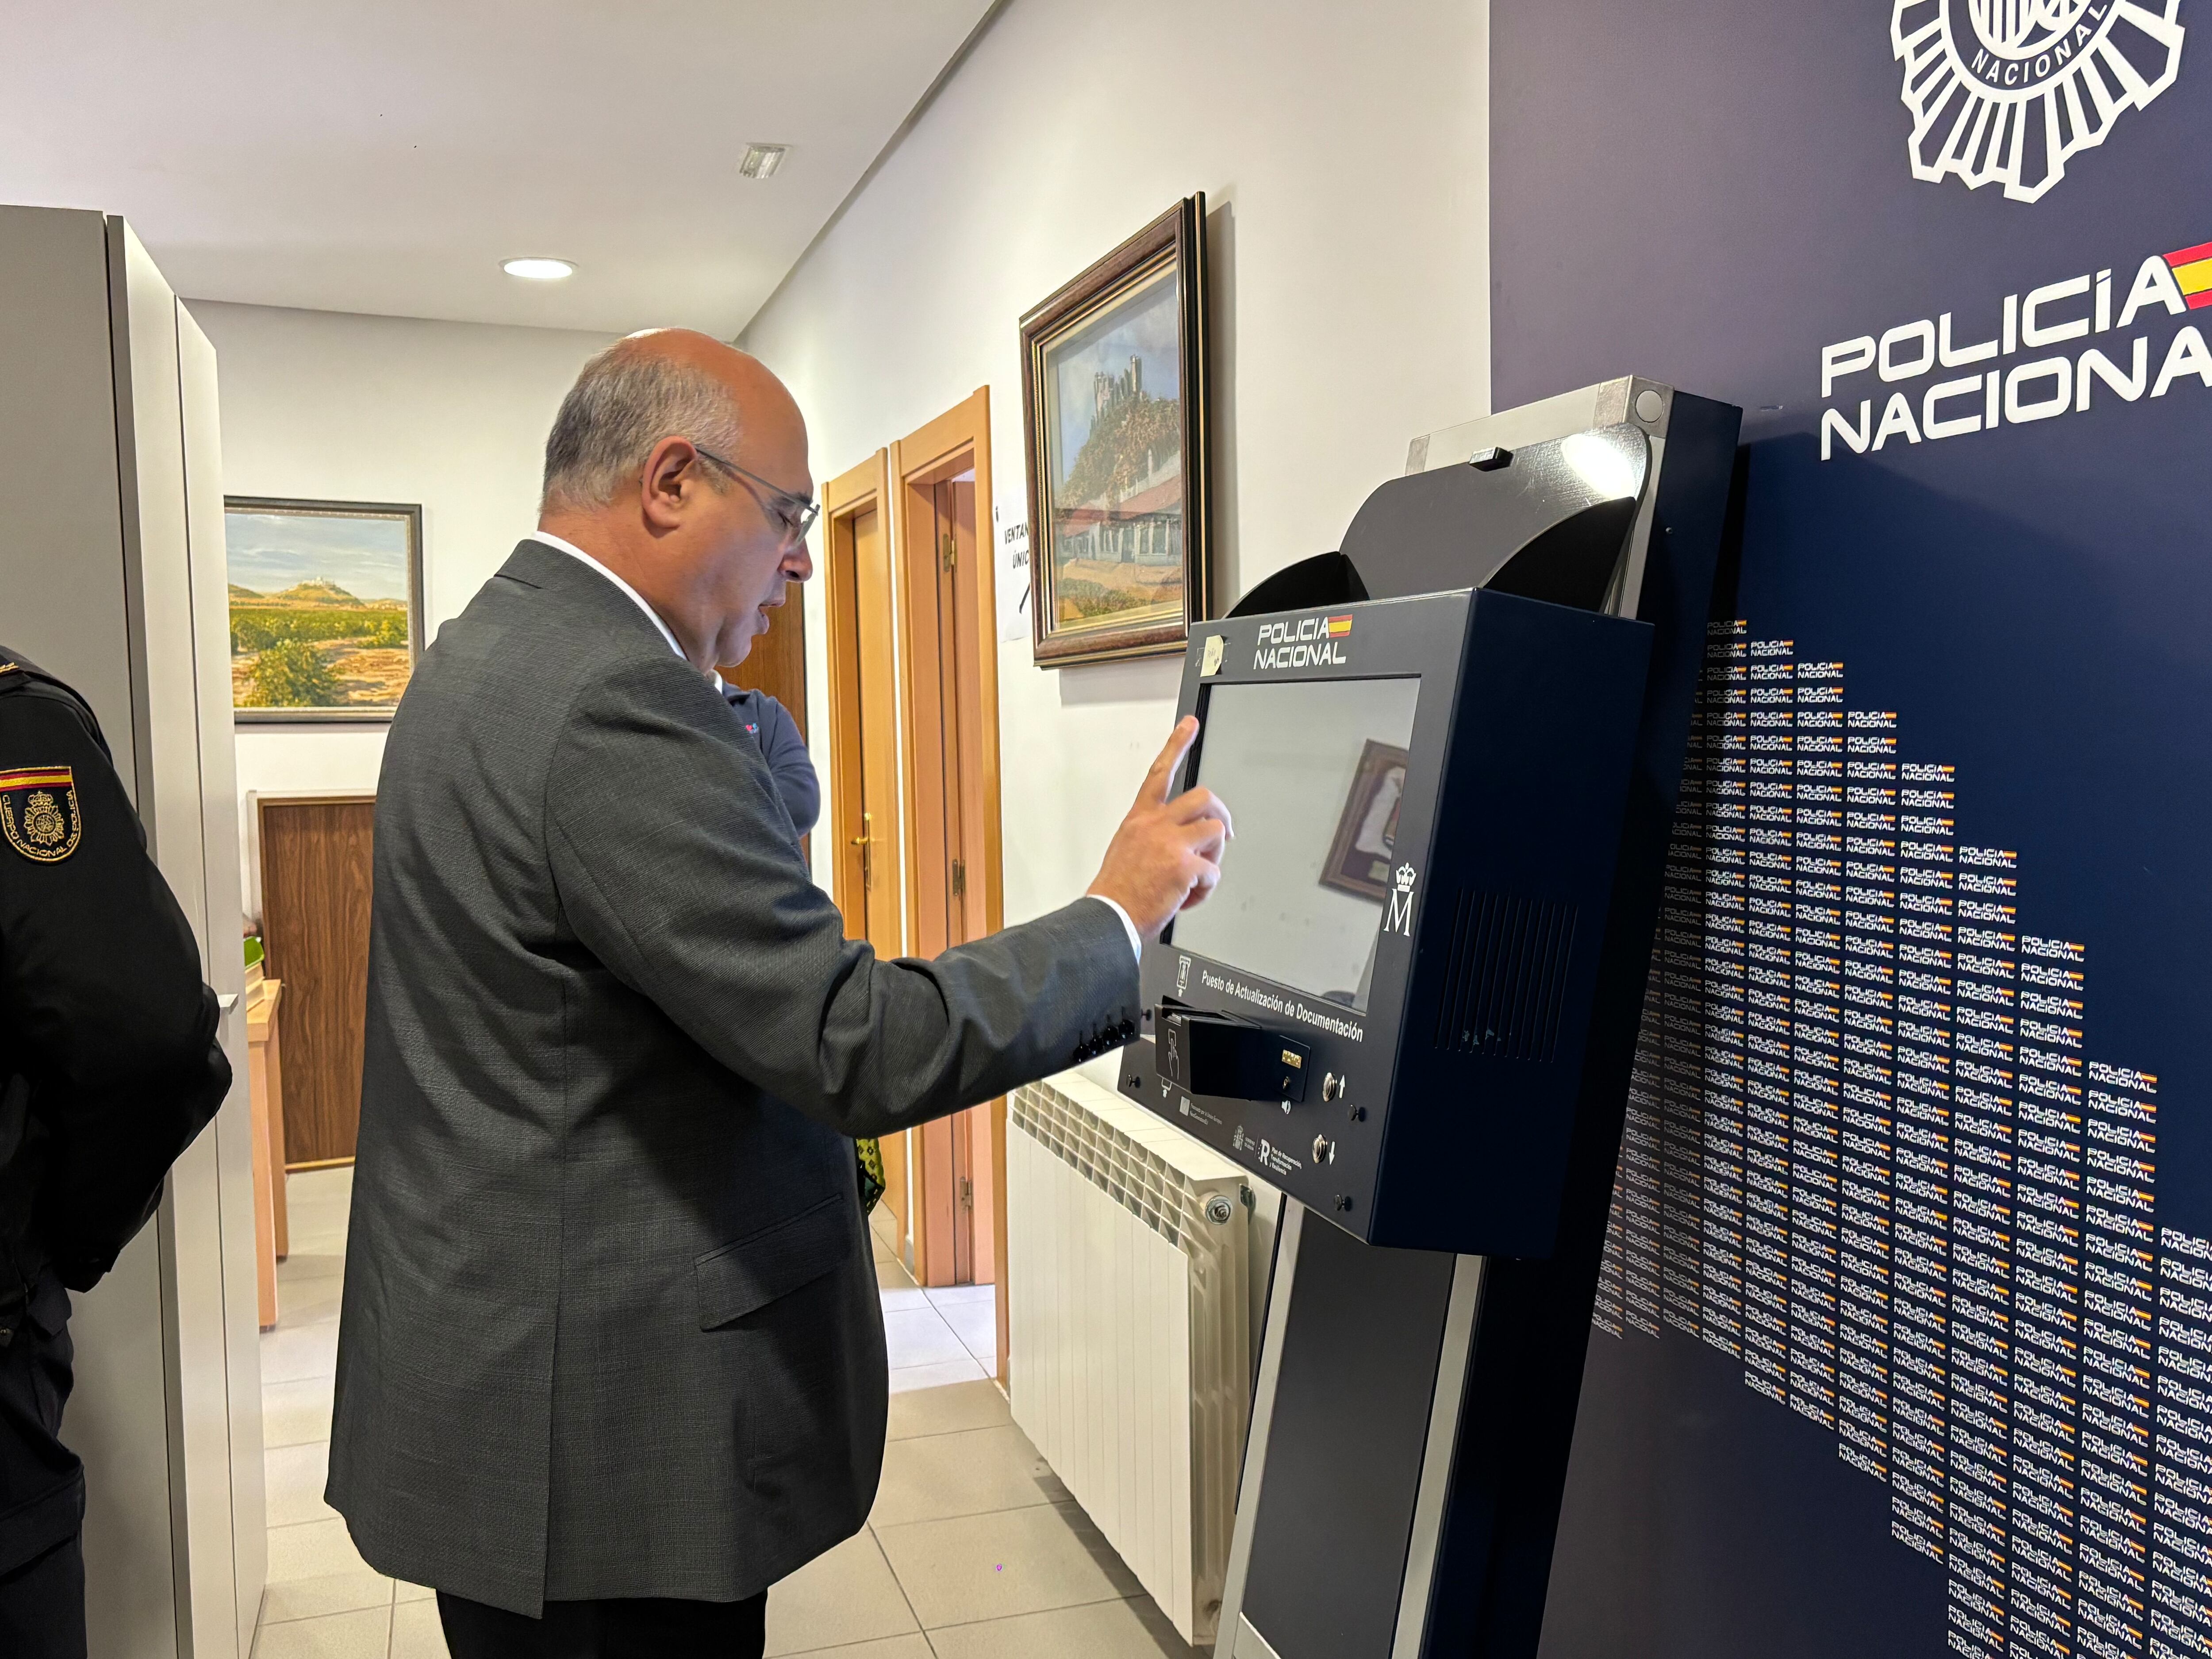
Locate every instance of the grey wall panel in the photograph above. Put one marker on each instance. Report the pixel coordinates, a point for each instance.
(60, 512)
(113, 576)
(157, 567)
(199, 401)
(118, 1423)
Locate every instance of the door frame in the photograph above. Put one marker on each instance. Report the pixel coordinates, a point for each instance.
(843, 499)
(860, 489)
(961, 437)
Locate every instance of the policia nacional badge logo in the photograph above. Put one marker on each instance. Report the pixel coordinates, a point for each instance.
(38, 813)
(2007, 91)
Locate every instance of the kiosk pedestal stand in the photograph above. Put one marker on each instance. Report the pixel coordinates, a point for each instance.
(1454, 750)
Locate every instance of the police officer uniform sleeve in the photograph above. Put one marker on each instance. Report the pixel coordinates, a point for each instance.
(105, 1015)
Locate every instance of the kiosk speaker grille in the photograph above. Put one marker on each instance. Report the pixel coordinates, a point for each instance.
(1507, 976)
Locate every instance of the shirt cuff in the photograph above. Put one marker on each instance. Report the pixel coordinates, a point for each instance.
(1136, 944)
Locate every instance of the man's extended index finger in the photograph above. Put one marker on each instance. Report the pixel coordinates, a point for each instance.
(1155, 792)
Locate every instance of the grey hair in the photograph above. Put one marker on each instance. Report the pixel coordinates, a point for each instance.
(624, 402)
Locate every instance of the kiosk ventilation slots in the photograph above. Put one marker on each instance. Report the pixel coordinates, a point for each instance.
(1453, 750)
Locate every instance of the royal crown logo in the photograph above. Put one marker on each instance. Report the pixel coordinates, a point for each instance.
(2008, 91)
(1398, 910)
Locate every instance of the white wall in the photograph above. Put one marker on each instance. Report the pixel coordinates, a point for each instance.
(336, 407)
(1343, 154)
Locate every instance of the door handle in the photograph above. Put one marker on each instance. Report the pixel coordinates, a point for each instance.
(865, 842)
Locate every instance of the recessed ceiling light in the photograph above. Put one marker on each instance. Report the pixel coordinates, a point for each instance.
(761, 160)
(539, 271)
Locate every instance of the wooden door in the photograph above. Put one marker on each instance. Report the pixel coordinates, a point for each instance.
(777, 662)
(317, 854)
(863, 809)
(952, 725)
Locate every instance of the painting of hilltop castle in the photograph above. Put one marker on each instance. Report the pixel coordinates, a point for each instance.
(1114, 374)
(325, 607)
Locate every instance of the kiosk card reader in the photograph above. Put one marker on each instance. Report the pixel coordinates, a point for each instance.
(1381, 1008)
(1453, 750)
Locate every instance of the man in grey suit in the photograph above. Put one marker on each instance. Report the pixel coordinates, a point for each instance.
(612, 1359)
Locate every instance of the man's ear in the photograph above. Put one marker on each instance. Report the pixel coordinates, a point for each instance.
(673, 465)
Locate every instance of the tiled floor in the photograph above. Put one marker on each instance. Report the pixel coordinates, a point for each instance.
(974, 1551)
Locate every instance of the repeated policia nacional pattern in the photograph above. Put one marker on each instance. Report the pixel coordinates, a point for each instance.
(1870, 1154)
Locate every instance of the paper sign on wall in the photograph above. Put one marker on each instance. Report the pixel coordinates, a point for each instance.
(1010, 534)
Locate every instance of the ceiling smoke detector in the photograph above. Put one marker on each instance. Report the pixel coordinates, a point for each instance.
(762, 160)
(539, 269)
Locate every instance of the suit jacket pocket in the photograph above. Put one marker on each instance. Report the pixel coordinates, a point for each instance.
(747, 1274)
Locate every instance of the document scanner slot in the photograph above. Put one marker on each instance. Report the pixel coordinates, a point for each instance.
(1228, 1057)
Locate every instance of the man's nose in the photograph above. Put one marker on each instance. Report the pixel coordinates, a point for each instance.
(799, 563)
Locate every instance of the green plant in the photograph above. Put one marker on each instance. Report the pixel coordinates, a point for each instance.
(257, 629)
(292, 674)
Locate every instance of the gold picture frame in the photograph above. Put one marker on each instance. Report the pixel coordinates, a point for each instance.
(1115, 411)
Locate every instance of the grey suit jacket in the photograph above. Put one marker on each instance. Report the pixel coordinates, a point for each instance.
(611, 1325)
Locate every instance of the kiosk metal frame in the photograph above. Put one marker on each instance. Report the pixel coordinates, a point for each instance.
(1414, 1410)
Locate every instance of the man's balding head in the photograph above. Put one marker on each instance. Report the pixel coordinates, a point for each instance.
(675, 461)
(664, 382)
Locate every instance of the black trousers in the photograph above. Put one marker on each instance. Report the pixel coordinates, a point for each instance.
(41, 1486)
(607, 1630)
(42, 1605)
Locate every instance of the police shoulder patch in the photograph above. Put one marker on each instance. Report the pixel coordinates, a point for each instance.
(39, 813)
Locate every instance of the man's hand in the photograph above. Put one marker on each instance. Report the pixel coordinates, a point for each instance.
(1166, 856)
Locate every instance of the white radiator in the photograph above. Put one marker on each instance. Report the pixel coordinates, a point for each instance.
(1128, 1266)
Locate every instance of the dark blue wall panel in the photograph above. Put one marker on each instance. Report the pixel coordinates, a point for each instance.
(1905, 1333)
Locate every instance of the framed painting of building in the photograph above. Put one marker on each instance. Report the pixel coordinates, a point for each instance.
(1114, 398)
(325, 607)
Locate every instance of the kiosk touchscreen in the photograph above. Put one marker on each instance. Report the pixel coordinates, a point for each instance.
(1380, 1008)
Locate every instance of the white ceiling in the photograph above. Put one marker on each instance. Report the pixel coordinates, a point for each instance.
(386, 157)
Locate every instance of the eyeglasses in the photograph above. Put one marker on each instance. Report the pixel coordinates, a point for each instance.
(798, 512)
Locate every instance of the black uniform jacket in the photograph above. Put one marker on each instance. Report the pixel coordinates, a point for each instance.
(108, 1060)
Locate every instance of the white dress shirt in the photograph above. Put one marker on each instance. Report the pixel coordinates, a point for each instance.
(1136, 945)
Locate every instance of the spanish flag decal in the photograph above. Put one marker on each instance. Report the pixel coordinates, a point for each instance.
(1338, 627)
(37, 812)
(2192, 270)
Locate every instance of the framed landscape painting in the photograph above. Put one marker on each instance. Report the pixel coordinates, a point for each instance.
(1115, 403)
(325, 607)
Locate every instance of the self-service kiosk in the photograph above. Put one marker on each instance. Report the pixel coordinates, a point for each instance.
(1453, 751)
